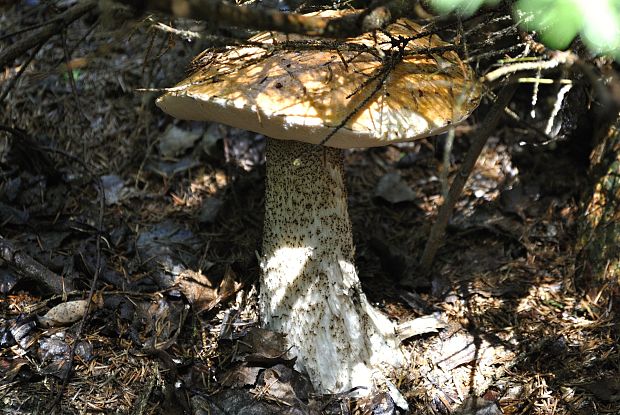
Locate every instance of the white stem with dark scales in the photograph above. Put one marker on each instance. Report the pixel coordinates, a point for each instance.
(309, 286)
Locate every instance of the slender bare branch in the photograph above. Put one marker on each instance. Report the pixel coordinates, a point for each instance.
(478, 141)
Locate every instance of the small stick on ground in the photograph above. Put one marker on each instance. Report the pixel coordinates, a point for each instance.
(31, 268)
(478, 141)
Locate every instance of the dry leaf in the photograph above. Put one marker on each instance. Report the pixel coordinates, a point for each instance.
(65, 313)
(201, 291)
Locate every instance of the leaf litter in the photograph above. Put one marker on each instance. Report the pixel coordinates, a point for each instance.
(499, 326)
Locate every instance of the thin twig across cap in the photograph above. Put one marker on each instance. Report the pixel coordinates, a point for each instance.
(368, 91)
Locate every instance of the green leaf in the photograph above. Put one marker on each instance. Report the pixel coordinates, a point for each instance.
(558, 21)
(602, 26)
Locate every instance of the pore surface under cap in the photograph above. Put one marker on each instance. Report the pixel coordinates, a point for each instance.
(302, 89)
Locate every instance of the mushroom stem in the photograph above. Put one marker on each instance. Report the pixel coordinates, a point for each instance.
(309, 286)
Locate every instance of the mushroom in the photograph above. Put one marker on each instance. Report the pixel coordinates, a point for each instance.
(372, 90)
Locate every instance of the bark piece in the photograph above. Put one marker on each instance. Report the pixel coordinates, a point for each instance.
(420, 325)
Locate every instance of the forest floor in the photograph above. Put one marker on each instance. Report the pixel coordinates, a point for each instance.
(173, 326)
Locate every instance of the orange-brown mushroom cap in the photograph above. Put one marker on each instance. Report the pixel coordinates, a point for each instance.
(361, 92)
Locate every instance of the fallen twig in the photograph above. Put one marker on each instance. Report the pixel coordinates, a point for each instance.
(31, 268)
